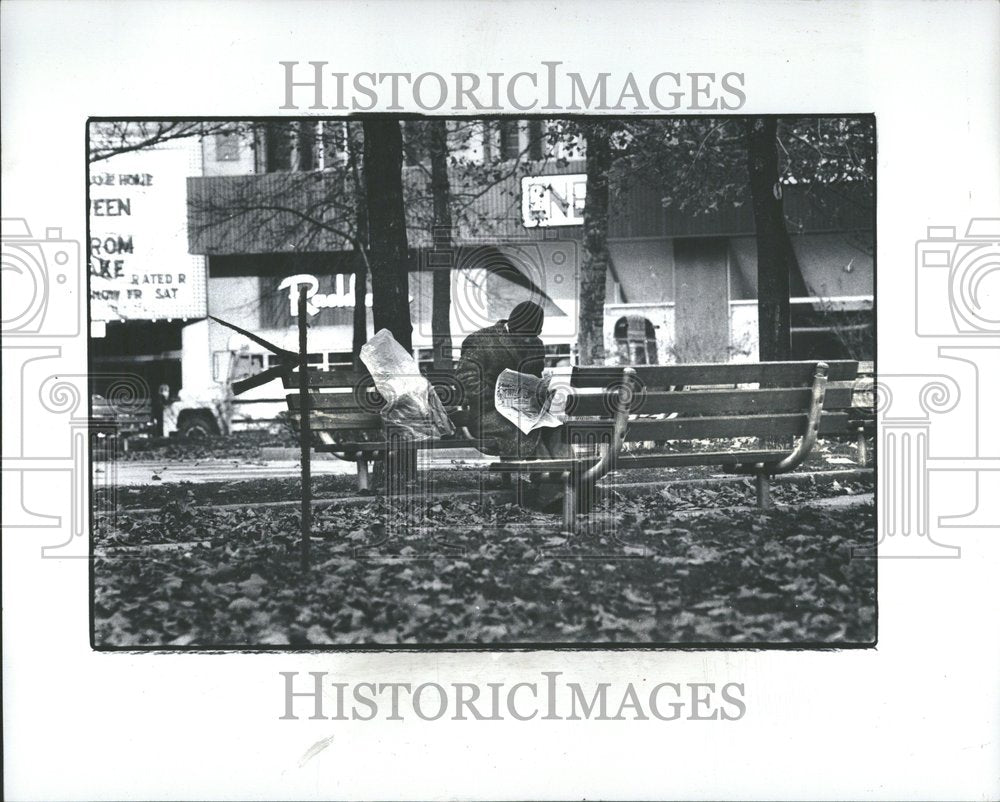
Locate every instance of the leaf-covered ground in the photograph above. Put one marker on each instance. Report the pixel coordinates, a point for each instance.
(242, 445)
(455, 571)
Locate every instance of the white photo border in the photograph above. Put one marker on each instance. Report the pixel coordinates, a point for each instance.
(914, 718)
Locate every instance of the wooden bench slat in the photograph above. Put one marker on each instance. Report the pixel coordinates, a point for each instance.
(345, 379)
(346, 402)
(319, 419)
(732, 426)
(661, 460)
(789, 374)
(328, 378)
(542, 465)
(380, 446)
(711, 402)
(705, 402)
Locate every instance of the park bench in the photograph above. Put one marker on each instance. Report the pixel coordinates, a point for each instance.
(607, 407)
(770, 401)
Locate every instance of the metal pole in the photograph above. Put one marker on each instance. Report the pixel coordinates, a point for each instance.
(305, 434)
(763, 484)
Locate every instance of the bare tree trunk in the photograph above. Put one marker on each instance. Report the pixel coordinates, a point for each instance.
(360, 333)
(441, 299)
(594, 271)
(774, 248)
(383, 155)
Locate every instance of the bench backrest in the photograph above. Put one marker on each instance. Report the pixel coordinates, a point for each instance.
(764, 399)
(344, 401)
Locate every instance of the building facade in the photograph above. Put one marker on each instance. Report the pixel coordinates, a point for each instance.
(267, 208)
(148, 293)
(690, 279)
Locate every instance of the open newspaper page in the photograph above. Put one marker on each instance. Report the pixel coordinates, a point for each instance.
(518, 398)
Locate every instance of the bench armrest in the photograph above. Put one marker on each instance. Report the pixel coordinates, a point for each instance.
(808, 440)
(610, 451)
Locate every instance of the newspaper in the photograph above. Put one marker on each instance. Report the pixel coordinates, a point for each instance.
(530, 402)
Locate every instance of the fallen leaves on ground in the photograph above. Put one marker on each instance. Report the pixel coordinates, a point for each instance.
(240, 446)
(448, 570)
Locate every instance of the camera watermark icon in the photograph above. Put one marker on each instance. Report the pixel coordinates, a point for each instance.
(923, 417)
(52, 491)
(488, 280)
(41, 282)
(958, 281)
(934, 432)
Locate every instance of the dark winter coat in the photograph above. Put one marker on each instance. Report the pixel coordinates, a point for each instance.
(485, 355)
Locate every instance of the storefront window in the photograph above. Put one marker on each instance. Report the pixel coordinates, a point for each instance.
(334, 142)
(306, 145)
(510, 139)
(277, 148)
(536, 133)
(227, 147)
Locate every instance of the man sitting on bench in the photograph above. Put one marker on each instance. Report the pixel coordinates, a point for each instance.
(509, 344)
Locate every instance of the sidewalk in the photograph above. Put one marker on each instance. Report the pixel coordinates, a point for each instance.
(124, 474)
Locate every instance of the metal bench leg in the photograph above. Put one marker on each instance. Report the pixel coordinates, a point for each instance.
(569, 504)
(763, 482)
(520, 497)
(862, 448)
(362, 472)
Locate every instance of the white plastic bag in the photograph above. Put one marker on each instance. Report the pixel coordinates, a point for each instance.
(410, 402)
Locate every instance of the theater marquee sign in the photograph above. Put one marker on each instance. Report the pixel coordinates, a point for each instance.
(140, 268)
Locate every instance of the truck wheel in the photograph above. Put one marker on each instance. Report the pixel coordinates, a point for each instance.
(196, 426)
